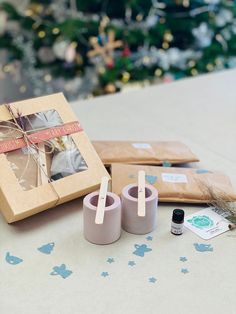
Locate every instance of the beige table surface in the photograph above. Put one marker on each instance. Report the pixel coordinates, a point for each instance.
(202, 113)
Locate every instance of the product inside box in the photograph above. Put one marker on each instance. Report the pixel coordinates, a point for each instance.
(47, 161)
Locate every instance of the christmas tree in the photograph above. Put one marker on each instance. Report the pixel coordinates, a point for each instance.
(109, 45)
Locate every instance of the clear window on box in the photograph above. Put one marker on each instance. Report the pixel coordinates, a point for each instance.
(50, 160)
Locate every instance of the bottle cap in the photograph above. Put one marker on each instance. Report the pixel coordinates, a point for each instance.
(178, 215)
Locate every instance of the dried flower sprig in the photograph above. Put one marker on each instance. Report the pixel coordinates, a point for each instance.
(17, 116)
(223, 204)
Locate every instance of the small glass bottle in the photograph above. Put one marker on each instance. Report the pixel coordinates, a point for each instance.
(177, 223)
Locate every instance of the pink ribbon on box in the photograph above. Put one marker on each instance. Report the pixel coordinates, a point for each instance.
(41, 136)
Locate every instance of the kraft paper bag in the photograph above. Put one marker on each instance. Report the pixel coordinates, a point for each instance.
(132, 152)
(185, 185)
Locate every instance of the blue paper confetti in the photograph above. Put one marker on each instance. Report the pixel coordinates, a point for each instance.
(152, 280)
(151, 179)
(183, 259)
(166, 164)
(104, 274)
(200, 247)
(61, 271)
(110, 260)
(46, 248)
(201, 171)
(184, 270)
(131, 263)
(149, 238)
(13, 260)
(141, 249)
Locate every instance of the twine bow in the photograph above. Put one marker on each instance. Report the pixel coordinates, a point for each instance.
(17, 125)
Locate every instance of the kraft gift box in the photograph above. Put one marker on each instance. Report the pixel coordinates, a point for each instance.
(22, 192)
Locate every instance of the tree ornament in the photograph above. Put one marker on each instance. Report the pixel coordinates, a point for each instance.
(126, 52)
(168, 78)
(125, 77)
(152, 20)
(110, 64)
(203, 35)
(104, 47)
(110, 88)
(35, 9)
(60, 47)
(46, 55)
(223, 17)
(70, 53)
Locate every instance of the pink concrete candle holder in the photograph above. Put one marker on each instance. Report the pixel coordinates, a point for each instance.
(109, 231)
(131, 221)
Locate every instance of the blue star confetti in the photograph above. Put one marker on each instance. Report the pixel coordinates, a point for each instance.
(104, 274)
(149, 238)
(152, 280)
(183, 259)
(184, 270)
(141, 249)
(110, 260)
(61, 271)
(13, 260)
(131, 263)
(201, 247)
(46, 248)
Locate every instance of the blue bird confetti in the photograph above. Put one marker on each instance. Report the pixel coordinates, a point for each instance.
(201, 247)
(13, 260)
(131, 263)
(149, 238)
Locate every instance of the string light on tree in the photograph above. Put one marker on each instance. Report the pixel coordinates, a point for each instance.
(191, 63)
(55, 31)
(194, 72)
(41, 34)
(125, 77)
(139, 17)
(165, 45)
(110, 88)
(158, 72)
(210, 67)
(168, 36)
